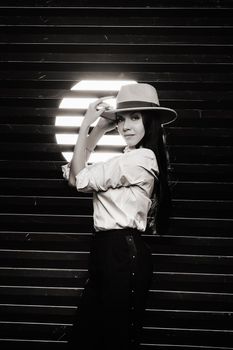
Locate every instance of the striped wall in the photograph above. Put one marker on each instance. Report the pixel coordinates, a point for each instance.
(184, 49)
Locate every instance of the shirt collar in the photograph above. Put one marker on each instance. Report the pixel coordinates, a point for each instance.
(127, 149)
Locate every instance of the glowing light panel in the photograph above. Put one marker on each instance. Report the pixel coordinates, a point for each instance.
(76, 120)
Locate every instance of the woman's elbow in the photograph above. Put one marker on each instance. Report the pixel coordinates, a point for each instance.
(72, 181)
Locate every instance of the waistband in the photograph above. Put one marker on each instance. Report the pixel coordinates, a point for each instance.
(120, 232)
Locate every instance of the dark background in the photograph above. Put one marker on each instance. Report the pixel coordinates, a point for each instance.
(184, 49)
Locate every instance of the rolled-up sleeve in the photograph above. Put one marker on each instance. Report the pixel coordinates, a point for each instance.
(133, 168)
(66, 171)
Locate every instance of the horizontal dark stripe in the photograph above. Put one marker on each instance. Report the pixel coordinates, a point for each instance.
(121, 3)
(192, 337)
(72, 77)
(118, 66)
(111, 48)
(51, 20)
(115, 27)
(115, 10)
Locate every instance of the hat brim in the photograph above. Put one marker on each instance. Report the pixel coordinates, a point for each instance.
(165, 115)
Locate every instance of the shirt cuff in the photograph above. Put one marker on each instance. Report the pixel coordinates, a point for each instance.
(66, 171)
(82, 180)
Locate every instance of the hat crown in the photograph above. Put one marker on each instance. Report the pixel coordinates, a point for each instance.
(138, 92)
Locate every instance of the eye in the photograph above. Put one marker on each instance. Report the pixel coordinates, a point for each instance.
(119, 119)
(135, 116)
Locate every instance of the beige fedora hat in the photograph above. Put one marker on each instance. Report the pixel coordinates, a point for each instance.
(140, 96)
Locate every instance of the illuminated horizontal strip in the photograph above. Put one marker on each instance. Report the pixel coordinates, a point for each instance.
(83, 103)
(94, 157)
(71, 121)
(106, 140)
(76, 102)
(101, 85)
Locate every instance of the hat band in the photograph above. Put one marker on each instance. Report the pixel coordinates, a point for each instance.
(135, 104)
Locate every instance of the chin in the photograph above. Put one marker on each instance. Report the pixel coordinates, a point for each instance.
(131, 145)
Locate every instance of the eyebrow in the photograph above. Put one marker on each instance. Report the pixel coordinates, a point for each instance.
(130, 114)
(118, 115)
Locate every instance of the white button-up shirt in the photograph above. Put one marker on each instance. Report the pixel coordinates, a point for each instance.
(121, 186)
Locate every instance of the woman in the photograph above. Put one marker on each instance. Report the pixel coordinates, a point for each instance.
(125, 190)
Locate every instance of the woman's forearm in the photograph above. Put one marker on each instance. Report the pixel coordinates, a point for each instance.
(83, 148)
(93, 138)
(78, 161)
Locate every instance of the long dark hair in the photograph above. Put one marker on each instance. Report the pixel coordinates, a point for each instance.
(154, 139)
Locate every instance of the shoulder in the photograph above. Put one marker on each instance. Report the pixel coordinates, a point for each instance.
(142, 153)
(141, 157)
(136, 156)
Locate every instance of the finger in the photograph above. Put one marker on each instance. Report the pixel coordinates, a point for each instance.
(99, 111)
(101, 99)
(103, 106)
(105, 98)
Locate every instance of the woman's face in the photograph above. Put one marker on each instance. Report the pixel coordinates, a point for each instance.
(130, 127)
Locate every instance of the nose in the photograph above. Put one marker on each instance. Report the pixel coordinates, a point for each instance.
(127, 124)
